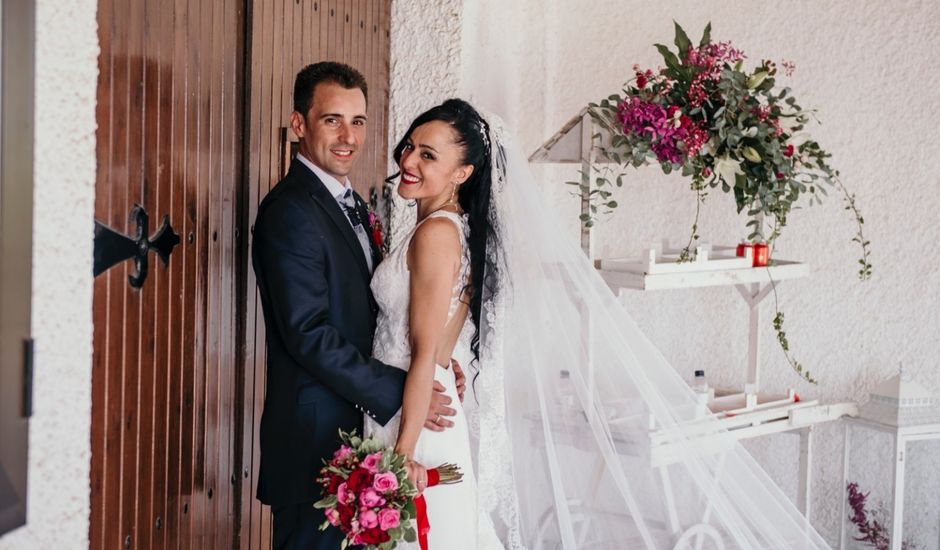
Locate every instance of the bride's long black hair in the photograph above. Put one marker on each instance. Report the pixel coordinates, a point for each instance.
(474, 198)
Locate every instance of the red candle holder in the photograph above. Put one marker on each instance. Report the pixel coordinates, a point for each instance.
(760, 253)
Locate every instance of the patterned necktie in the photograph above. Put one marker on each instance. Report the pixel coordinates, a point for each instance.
(348, 202)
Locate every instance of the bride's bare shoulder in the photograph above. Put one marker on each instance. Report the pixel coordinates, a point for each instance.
(435, 240)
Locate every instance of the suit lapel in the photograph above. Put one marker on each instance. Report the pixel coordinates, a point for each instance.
(329, 205)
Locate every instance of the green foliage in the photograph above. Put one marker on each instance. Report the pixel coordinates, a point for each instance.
(756, 147)
(749, 122)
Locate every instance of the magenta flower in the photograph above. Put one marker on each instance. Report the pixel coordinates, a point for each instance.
(342, 453)
(371, 462)
(368, 518)
(385, 482)
(332, 516)
(344, 495)
(389, 518)
(371, 498)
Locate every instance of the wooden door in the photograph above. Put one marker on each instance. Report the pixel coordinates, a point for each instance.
(285, 37)
(193, 100)
(171, 94)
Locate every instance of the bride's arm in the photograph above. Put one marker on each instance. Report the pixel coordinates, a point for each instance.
(433, 261)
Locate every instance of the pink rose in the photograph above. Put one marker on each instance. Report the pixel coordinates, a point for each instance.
(389, 518)
(386, 482)
(343, 453)
(355, 533)
(344, 495)
(370, 498)
(332, 516)
(371, 462)
(368, 519)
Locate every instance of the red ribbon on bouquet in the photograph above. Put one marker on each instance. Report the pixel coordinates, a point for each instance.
(421, 509)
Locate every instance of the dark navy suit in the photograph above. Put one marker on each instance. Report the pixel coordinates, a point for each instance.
(319, 318)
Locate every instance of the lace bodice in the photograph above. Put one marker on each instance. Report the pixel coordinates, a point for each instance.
(391, 287)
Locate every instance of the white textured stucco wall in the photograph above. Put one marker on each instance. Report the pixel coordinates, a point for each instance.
(866, 67)
(425, 70)
(59, 437)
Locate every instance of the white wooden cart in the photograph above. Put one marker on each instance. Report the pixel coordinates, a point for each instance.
(744, 412)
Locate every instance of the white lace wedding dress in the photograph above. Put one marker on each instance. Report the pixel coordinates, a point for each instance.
(452, 509)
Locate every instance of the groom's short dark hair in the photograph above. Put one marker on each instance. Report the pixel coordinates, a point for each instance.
(325, 71)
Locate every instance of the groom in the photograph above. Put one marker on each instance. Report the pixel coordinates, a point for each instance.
(313, 260)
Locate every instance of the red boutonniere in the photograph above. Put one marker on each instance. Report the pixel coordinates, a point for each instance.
(376, 231)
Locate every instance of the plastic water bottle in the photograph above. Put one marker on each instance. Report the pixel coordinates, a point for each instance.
(702, 393)
(699, 383)
(567, 395)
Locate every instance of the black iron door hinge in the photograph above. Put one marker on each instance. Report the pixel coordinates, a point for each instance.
(112, 247)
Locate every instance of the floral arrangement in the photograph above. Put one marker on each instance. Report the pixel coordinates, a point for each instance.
(377, 231)
(872, 530)
(726, 128)
(367, 494)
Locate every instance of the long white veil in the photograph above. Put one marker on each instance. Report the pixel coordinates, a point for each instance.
(588, 438)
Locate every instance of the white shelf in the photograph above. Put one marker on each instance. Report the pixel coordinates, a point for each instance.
(635, 277)
(740, 414)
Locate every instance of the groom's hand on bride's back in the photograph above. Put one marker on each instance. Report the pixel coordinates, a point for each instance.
(439, 412)
(461, 380)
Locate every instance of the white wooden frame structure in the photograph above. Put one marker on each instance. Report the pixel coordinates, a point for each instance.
(745, 413)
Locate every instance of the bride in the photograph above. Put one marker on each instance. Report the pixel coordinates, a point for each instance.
(584, 436)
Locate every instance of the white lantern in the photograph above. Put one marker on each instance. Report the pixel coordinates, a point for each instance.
(891, 470)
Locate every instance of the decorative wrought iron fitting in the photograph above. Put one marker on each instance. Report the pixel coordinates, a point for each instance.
(112, 247)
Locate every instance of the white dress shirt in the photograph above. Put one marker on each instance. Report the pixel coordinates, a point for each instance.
(338, 190)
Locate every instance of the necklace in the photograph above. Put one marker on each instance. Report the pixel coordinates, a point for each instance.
(458, 211)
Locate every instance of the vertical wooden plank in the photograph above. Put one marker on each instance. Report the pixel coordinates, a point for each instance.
(346, 38)
(116, 283)
(176, 315)
(260, 82)
(202, 152)
(213, 274)
(204, 431)
(323, 37)
(247, 506)
(130, 360)
(358, 176)
(310, 31)
(161, 364)
(331, 43)
(383, 60)
(231, 179)
(100, 483)
(144, 179)
(191, 316)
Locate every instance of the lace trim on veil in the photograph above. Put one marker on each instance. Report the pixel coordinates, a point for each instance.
(497, 498)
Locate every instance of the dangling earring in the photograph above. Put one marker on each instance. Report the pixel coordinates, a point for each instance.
(453, 195)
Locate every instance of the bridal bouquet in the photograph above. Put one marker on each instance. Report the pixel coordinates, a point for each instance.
(723, 126)
(367, 494)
